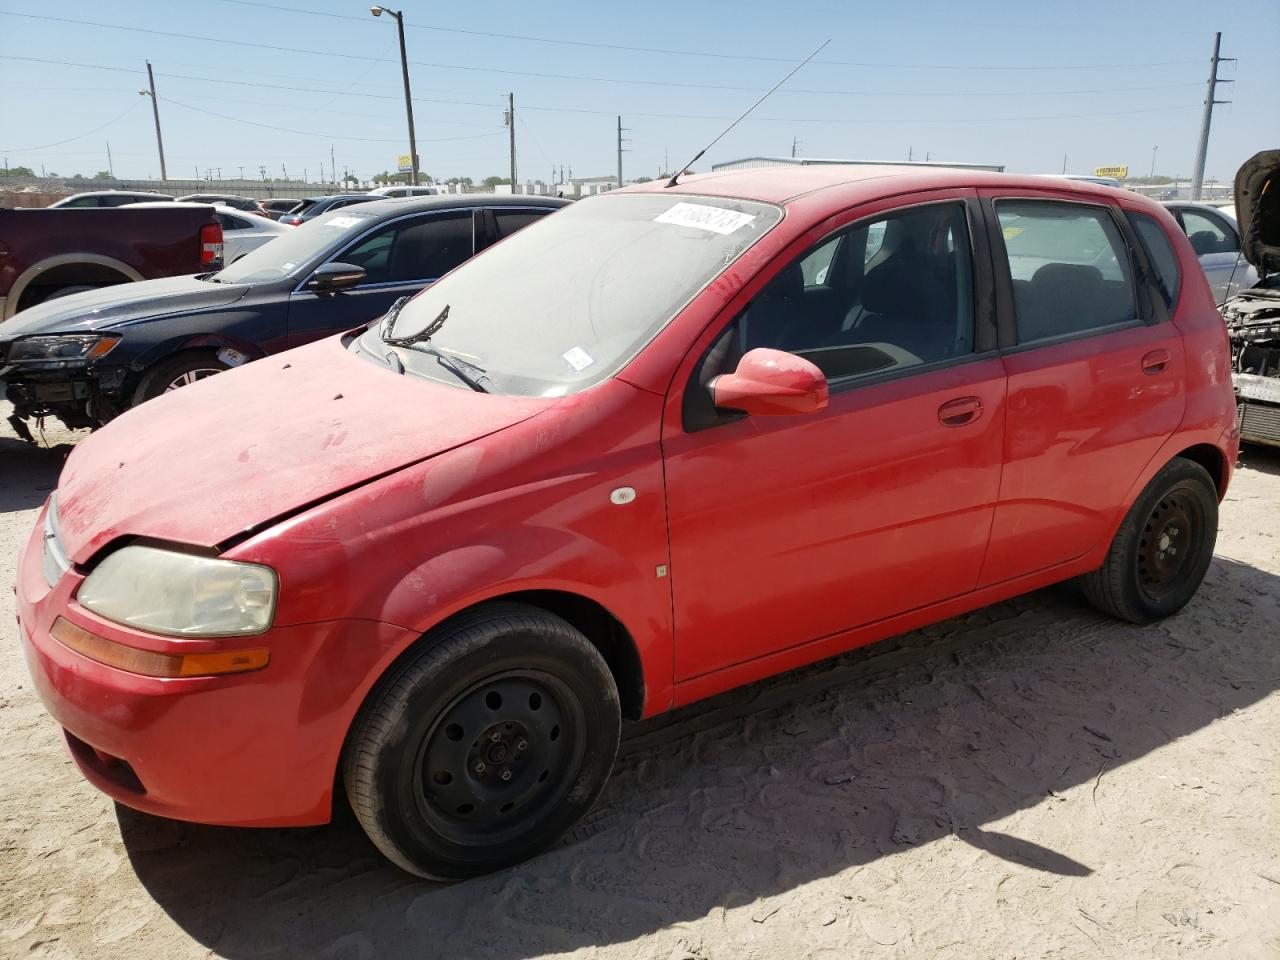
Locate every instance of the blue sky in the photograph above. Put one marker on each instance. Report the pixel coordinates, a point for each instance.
(1014, 83)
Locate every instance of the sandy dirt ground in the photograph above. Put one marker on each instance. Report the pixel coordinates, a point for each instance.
(1030, 780)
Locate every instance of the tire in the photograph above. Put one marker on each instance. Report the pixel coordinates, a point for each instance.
(166, 375)
(1163, 548)
(479, 750)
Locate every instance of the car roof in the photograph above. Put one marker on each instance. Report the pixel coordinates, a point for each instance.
(194, 204)
(392, 205)
(853, 183)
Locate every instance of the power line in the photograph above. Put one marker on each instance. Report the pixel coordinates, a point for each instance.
(313, 133)
(577, 78)
(714, 54)
(79, 136)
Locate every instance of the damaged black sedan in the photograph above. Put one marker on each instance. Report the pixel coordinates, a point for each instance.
(88, 357)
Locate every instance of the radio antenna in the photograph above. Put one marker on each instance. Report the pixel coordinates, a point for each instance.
(698, 156)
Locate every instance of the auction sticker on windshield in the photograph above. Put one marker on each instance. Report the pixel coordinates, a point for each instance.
(705, 217)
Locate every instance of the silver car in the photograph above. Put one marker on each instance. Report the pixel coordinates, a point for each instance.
(1215, 237)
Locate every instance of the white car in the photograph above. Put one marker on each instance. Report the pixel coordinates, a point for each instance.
(404, 192)
(241, 232)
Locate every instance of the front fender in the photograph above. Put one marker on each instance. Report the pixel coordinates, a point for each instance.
(527, 508)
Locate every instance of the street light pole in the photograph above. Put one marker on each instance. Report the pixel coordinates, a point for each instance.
(155, 110)
(408, 99)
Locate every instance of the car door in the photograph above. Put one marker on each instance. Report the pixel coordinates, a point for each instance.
(1217, 246)
(787, 529)
(1095, 376)
(400, 256)
(238, 237)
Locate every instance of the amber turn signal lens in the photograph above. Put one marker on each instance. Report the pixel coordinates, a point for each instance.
(148, 663)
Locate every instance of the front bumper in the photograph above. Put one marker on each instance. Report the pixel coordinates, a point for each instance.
(80, 395)
(253, 749)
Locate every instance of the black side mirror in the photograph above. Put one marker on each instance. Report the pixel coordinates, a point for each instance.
(336, 276)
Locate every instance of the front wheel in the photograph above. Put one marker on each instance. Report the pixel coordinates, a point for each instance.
(178, 371)
(479, 751)
(1163, 548)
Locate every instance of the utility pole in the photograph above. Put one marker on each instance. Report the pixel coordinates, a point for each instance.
(511, 135)
(621, 150)
(1153, 161)
(795, 142)
(155, 110)
(1064, 163)
(408, 99)
(110, 169)
(333, 169)
(1197, 177)
(909, 154)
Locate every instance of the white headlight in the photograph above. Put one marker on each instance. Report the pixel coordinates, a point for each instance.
(181, 594)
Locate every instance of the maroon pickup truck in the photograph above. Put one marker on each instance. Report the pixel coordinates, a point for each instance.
(54, 252)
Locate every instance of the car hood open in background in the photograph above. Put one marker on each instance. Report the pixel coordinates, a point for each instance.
(1257, 189)
(108, 306)
(231, 453)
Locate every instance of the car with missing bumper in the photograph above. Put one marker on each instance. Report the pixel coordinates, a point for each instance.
(88, 357)
(674, 439)
(1253, 316)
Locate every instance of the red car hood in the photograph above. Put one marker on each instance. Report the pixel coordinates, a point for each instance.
(234, 452)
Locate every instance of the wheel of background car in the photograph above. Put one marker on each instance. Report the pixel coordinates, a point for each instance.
(1163, 548)
(177, 371)
(68, 291)
(479, 749)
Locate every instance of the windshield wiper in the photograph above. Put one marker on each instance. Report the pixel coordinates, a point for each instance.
(421, 341)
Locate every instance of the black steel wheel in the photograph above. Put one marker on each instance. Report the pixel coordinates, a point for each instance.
(483, 745)
(501, 754)
(1163, 548)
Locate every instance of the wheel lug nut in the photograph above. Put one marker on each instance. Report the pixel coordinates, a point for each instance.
(479, 767)
(506, 774)
(522, 744)
(495, 736)
(1160, 556)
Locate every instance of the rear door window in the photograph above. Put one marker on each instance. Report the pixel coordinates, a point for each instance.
(1070, 268)
(509, 221)
(1207, 233)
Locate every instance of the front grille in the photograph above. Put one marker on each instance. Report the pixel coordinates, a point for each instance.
(1259, 422)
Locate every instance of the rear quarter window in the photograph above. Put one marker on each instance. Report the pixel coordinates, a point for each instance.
(1160, 252)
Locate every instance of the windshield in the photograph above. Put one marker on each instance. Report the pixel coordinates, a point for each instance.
(565, 302)
(290, 252)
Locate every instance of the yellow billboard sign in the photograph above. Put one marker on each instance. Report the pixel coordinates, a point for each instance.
(403, 164)
(1117, 173)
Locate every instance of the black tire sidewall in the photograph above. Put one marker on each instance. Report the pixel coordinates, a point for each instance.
(155, 380)
(552, 647)
(1180, 476)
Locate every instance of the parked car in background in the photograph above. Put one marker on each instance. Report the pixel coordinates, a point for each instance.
(627, 459)
(46, 254)
(404, 191)
(240, 232)
(312, 207)
(108, 198)
(1215, 237)
(227, 200)
(86, 358)
(1253, 315)
(277, 207)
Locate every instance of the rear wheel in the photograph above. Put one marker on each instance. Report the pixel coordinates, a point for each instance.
(1163, 548)
(479, 751)
(178, 371)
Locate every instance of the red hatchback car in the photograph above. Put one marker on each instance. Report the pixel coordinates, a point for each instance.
(662, 443)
